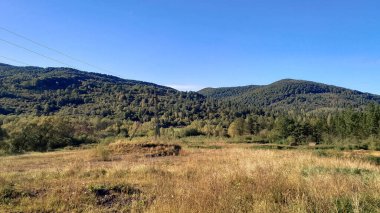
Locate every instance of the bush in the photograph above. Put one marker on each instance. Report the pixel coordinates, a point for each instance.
(187, 132)
(3, 134)
(373, 143)
(41, 137)
(46, 134)
(102, 152)
(291, 140)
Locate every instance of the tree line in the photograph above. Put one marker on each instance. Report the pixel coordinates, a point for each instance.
(359, 128)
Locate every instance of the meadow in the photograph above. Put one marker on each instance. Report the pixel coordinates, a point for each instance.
(205, 175)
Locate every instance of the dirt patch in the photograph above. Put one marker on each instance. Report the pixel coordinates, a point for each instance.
(9, 193)
(147, 149)
(120, 195)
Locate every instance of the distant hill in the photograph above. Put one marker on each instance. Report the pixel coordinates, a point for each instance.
(65, 91)
(226, 92)
(291, 94)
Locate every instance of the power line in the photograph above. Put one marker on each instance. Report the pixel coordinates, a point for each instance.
(54, 50)
(32, 51)
(15, 60)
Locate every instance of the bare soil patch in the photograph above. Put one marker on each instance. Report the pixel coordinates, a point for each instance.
(147, 149)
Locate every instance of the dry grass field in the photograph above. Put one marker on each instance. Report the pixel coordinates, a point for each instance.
(204, 177)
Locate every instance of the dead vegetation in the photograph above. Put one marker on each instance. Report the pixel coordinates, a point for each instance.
(147, 149)
(121, 196)
(227, 179)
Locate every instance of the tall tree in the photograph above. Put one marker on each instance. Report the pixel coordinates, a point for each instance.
(236, 128)
(3, 134)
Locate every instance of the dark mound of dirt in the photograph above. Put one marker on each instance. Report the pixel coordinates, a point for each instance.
(9, 193)
(119, 195)
(148, 149)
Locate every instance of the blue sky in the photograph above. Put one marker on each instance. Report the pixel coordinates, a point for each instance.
(199, 43)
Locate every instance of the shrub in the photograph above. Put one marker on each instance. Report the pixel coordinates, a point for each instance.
(187, 132)
(45, 134)
(3, 134)
(102, 152)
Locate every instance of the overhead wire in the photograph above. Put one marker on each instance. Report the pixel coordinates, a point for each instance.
(51, 49)
(15, 60)
(37, 53)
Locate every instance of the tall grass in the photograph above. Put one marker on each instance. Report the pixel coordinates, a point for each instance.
(228, 179)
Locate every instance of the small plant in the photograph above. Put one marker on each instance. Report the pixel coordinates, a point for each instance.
(7, 193)
(373, 159)
(99, 190)
(103, 152)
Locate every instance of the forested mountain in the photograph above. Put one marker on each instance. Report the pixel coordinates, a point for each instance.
(292, 94)
(65, 91)
(226, 92)
(57, 107)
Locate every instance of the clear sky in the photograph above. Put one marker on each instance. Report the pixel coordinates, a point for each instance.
(190, 44)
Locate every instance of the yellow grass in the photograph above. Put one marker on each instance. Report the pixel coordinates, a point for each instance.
(218, 178)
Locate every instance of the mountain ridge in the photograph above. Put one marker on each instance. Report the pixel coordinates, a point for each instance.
(287, 91)
(67, 91)
(207, 89)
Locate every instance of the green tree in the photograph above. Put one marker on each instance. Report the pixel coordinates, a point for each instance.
(284, 127)
(236, 128)
(45, 135)
(3, 135)
(208, 129)
(220, 131)
(249, 126)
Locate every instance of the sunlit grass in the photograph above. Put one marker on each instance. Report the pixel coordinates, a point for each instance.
(207, 176)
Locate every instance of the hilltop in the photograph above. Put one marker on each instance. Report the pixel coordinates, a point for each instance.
(66, 91)
(292, 94)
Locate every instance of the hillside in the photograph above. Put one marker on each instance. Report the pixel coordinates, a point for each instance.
(226, 92)
(91, 105)
(65, 91)
(292, 94)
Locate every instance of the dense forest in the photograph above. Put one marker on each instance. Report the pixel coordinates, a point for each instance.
(292, 94)
(48, 108)
(66, 92)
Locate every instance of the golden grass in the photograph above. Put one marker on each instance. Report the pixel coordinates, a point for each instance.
(208, 178)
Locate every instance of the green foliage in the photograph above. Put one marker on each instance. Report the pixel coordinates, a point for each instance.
(44, 134)
(3, 135)
(103, 152)
(296, 132)
(67, 92)
(64, 91)
(191, 132)
(237, 128)
(291, 94)
(373, 159)
(52, 108)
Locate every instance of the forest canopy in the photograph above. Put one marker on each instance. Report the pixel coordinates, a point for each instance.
(48, 108)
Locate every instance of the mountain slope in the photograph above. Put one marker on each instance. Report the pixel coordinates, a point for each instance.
(65, 91)
(292, 94)
(225, 92)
